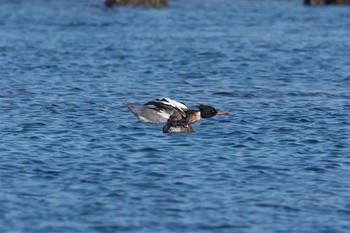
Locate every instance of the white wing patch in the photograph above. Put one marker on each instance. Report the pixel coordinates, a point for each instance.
(164, 113)
(175, 103)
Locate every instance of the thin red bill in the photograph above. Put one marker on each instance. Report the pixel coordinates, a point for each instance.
(221, 113)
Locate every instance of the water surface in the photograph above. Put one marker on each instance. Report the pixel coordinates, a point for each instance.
(73, 159)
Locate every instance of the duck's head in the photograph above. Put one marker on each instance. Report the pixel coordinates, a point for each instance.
(209, 111)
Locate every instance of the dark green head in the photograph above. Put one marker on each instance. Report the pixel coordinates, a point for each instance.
(209, 111)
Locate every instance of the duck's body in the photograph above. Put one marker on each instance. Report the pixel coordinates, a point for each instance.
(159, 114)
(177, 124)
(165, 107)
(150, 115)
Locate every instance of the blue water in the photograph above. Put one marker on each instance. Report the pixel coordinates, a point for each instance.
(73, 159)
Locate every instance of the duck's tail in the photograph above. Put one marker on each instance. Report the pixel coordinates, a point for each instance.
(134, 109)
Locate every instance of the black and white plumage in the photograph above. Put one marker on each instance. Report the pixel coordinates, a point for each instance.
(165, 107)
(160, 113)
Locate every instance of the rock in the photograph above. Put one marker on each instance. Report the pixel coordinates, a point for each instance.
(326, 2)
(140, 3)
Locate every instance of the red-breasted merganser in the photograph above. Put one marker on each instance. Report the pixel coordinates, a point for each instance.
(165, 107)
(177, 124)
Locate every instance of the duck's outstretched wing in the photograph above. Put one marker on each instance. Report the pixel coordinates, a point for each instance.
(167, 103)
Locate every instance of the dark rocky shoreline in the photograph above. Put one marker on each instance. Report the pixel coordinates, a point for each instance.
(326, 2)
(164, 3)
(138, 3)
